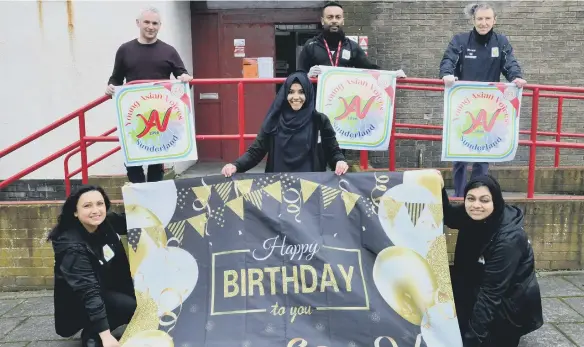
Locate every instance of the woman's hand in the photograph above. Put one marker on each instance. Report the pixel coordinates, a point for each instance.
(342, 167)
(228, 170)
(108, 340)
(441, 178)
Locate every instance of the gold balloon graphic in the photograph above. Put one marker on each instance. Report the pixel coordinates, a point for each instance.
(405, 281)
(150, 338)
(297, 342)
(153, 234)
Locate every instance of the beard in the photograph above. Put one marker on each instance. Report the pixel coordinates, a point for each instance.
(338, 33)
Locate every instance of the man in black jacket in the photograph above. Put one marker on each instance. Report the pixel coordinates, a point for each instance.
(332, 47)
(479, 55)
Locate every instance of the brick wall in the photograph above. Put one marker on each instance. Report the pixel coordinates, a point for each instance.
(412, 35)
(27, 190)
(26, 259)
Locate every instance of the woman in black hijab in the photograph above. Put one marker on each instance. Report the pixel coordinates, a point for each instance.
(495, 288)
(292, 133)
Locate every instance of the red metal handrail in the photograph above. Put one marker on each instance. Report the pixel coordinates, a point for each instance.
(405, 84)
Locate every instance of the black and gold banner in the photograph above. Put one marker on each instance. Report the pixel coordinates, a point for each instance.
(290, 260)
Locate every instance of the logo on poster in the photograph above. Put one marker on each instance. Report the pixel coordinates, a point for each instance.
(482, 120)
(155, 121)
(357, 106)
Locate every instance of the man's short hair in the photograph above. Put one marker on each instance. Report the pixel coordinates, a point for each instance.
(331, 4)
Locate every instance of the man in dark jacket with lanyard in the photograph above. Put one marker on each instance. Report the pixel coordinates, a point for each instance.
(332, 47)
(479, 55)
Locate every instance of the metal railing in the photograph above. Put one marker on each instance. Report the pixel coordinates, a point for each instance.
(421, 84)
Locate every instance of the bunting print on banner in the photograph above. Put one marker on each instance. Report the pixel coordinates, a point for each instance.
(134, 238)
(283, 256)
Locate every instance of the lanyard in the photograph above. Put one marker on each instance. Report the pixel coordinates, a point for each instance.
(330, 55)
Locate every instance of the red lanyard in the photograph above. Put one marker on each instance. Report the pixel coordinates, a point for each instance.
(330, 55)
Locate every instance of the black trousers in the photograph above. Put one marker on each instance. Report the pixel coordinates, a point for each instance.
(136, 173)
(119, 307)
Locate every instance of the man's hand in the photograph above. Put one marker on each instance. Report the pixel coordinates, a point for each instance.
(110, 90)
(341, 168)
(449, 80)
(519, 82)
(401, 74)
(314, 71)
(185, 77)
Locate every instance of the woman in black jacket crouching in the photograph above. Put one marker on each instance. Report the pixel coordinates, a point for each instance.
(495, 287)
(93, 286)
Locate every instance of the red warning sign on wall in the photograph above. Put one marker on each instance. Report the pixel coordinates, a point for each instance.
(363, 41)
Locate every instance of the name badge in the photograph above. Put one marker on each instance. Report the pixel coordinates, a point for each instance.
(108, 253)
(494, 52)
(346, 54)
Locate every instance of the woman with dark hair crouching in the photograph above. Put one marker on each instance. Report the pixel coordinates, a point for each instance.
(495, 287)
(93, 286)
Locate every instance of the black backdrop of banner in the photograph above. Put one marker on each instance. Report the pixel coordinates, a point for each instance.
(290, 260)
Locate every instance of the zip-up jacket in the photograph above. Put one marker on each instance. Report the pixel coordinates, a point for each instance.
(82, 273)
(314, 53)
(473, 58)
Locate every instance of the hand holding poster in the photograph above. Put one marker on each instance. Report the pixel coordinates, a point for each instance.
(481, 122)
(155, 123)
(309, 259)
(359, 104)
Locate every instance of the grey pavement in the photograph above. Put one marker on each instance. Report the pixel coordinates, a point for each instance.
(26, 318)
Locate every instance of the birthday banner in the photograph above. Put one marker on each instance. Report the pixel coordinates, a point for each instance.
(481, 122)
(359, 104)
(155, 123)
(290, 260)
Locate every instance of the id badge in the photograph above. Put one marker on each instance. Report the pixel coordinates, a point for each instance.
(108, 253)
(346, 54)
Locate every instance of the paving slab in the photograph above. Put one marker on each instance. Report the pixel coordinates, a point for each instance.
(26, 318)
(8, 324)
(7, 305)
(557, 311)
(574, 331)
(577, 280)
(14, 344)
(576, 303)
(558, 286)
(35, 328)
(546, 336)
(40, 306)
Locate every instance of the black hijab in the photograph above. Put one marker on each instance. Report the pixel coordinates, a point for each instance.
(474, 237)
(493, 221)
(292, 130)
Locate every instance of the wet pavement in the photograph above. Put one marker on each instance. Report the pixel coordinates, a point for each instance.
(26, 318)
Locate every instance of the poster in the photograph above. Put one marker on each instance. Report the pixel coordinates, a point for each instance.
(155, 123)
(359, 104)
(481, 122)
(290, 260)
(239, 48)
(262, 67)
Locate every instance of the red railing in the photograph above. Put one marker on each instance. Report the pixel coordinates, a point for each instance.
(80, 146)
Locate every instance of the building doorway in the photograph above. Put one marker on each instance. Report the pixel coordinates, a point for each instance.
(290, 38)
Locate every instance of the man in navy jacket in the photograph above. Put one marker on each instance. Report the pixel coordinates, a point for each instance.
(479, 55)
